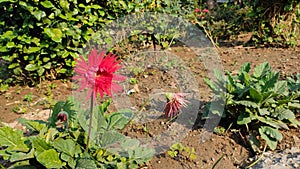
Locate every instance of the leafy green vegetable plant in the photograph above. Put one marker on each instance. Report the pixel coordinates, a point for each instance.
(178, 149)
(53, 144)
(258, 100)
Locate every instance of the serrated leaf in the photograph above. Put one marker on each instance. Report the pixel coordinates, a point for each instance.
(50, 159)
(67, 146)
(85, 164)
(13, 139)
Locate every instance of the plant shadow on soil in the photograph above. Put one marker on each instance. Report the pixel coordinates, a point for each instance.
(232, 144)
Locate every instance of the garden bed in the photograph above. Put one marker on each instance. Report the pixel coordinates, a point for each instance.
(231, 147)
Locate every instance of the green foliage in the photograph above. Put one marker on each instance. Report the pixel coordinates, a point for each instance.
(258, 100)
(178, 149)
(53, 145)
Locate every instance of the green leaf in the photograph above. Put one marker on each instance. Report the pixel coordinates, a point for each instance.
(33, 125)
(33, 49)
(244, 68)
(119, 120)
(85, 164)
(272, 122)
(110, 137)
(269, 84)
(255, 95)
(47, 4)
(270, 135)
(10, 44)
(67, 146)
(282, 113)
(21, 156)
(50, 159)
(261, 70)
(247, 103)
(263, 111)
(39, 144)
(40, 71)
(13, 139)
(31, 67)
(280, 87)
(244, 118)
(54, 33)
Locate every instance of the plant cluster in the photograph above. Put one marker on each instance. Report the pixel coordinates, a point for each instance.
(260, 101)
(55, 144)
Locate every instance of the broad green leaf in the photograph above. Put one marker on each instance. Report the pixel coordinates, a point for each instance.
(269, 84)
(39, 144)
(70, 160)
(119, 120)
(13, 139)
(244, 68)
(40, 71)
(38, 14)
(85, 164)
(50, 159)
(31, 67)
(4, 154)
(261, 70)
(211, 85)
(110, 137)
(282, 113)
(67, 146)
(33, 125)
(270, 135)
(47, 4)
(255, 95)
(54, 33)
(21, 156)
(280, 87)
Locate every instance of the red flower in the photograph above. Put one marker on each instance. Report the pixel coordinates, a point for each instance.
(205, 10)
(62, 116)
(98, 74)
(175, 102)
(197, 10)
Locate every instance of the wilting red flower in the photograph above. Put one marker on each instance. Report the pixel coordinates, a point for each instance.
(62, 116)
(98, 74)
(205, 10)
(197, 10)
(175, 102)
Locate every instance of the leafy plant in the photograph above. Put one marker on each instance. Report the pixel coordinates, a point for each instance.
(260, 101)
(178, 149)
(53, 145)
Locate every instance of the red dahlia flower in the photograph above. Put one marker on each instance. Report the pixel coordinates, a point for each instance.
(205, 10)
(197, 10)
(98, 74)
(175, 102)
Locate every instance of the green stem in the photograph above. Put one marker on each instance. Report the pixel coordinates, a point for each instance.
(91, 121)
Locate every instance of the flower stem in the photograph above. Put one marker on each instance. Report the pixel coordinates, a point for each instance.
(91, 121)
